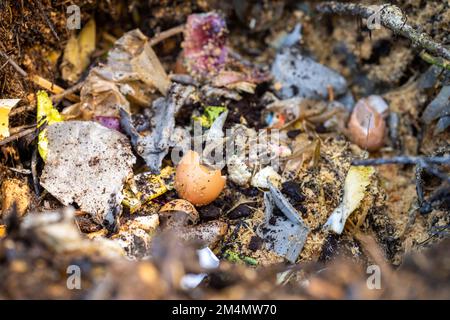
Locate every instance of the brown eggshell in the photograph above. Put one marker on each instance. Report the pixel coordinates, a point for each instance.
(367, 127)
(183, 206)
(197, 183)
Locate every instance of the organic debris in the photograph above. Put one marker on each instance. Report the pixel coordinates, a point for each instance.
(356, 182)
(46, 115)
(300, 76)
(241, 150)
(78, 52)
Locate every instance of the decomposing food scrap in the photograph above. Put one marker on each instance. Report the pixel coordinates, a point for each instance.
(204, 48)
(47, 114)
(213, 149)
(146, 186)
(78, 151)
(206, 55)
(356, 182)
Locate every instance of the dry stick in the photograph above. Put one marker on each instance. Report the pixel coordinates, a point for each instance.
(13, 64)
(392, 18)
(440, 62)
(38, 80)
(68, 92)
(50, 86)
(47, 20)
(17, 136)
(424, 162)
(166, 34)
(21, 110)
(34, 174)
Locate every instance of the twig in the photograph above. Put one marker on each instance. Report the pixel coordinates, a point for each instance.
(392, 18)
(401, 160)
(47, 20)
(426, 163)
(38, 80)
(18, 170)
(50, 86)
(21, 110)
(440, 62)
(17, 136)
(68, 92)
(14, 64)
(34, 174)
(166, 34)
(15, 130)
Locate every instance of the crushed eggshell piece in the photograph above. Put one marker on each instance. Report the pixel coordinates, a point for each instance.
(264, 177)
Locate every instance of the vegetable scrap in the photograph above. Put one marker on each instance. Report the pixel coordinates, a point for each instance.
(46, 115)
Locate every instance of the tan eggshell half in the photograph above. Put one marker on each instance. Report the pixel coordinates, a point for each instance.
(195, 182)
(181, 205)
(367, 127)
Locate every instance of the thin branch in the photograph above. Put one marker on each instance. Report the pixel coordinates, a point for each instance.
(22, 72)
(17, 136)
(401, 160)
(392, 18)
(427, 163)
(20, 110)
(166, 34)
(68, 92)
(440, 62)
(46, 19)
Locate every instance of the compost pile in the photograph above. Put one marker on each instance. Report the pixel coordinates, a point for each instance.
(250, 150)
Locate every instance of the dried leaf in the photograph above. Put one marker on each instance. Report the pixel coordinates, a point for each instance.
(78, 52)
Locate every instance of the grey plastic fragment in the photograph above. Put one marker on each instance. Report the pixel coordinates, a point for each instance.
(442, 124)
(285, 235)
(301, 76)
(284, 205)
(439, 107)
(154, 146)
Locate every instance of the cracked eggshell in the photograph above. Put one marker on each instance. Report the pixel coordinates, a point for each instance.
(195, 182)
(183, 206)
(88, 164)
(262, 178)
(238, 171)
(367, 126)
